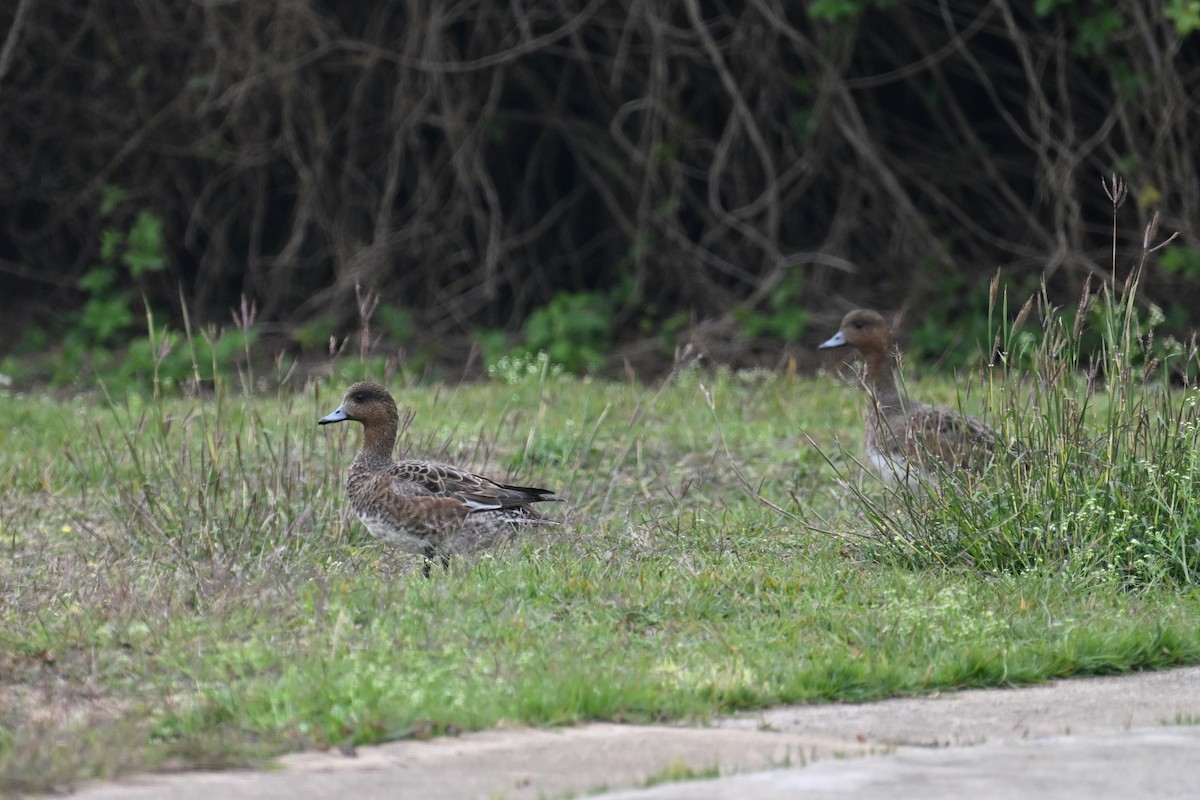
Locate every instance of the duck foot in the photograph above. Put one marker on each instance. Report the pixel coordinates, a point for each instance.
(442, 559)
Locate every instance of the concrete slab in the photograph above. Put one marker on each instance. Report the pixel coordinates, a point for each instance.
(1086, 738)
(516, 764)
(1076, 706)
(1161, 763)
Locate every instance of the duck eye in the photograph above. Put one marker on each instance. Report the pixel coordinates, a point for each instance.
(360, 397)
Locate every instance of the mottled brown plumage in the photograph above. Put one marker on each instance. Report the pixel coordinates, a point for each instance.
(902, 435)
(424, 507)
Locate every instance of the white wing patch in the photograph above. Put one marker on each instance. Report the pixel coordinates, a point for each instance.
(476, 505)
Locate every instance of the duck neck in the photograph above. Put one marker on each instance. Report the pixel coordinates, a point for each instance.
(881, 378)
(379, 440)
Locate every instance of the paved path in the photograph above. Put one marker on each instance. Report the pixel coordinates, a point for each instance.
(1122, 737)
(1158, 763)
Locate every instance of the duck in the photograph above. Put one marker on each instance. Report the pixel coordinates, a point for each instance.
(902, 436)
(429, 508)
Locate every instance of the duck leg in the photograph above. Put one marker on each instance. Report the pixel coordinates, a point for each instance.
(430, 555)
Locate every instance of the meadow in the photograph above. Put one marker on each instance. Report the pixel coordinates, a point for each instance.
(182, 584)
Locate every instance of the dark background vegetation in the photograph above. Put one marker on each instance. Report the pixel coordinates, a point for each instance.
(602, 179)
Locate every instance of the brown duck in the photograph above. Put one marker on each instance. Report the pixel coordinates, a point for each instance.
(901, 435)
(425, 507)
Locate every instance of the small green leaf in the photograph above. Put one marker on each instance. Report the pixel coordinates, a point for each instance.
(111, 241)
(110, 198)
(145, 253)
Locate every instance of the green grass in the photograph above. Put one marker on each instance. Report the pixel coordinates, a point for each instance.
(181, 582)
(680, 771)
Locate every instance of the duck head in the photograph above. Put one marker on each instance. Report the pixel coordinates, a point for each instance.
(863, 329)
(365, 402)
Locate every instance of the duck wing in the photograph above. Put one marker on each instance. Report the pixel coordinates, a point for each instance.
(957, 439)
(475, 491)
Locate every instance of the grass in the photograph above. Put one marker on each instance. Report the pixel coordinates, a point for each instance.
(181, 583)
(681, 771)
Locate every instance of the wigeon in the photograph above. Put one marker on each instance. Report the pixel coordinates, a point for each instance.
(424, 507)
(902, 435)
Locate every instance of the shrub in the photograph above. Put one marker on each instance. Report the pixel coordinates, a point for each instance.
(573, 329)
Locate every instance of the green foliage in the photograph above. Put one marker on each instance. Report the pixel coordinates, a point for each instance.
(1126, 80)
(108, 311)
(1153, 349)
(365, 368)
(842, 10)
(1096, 31)
(316, 332)
(169, 359)
(492, 343)
(573, 329)
(144, 245)
(1095, 22)
(34, 341)
(397, 323)
(944, 332)
(162, 358)
(98, 340)
(111, 196)
(666, 330)
(804, 123)
(107, 314)
(785, 318)
(1185, 14)
(1182, 260)
(124, 257)
(377, 345)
